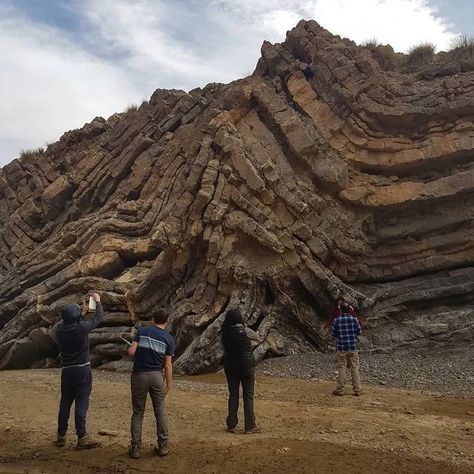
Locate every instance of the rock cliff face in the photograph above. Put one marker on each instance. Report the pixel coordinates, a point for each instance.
(319, 174)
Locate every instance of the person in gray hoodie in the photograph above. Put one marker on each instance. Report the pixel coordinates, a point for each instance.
(72, 336)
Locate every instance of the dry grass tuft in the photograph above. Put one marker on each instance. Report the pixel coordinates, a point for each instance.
(371, 43)
(384, 55)
(421, 54)
(131, 109)
(31, 153)
(462, 48)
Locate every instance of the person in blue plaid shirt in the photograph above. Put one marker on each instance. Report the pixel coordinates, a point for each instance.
(346, 329)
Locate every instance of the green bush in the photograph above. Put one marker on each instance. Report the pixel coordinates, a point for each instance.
(421, 54)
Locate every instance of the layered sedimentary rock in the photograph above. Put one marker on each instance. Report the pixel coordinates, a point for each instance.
(319, 174)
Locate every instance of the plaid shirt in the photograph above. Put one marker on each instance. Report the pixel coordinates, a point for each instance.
(345, 329)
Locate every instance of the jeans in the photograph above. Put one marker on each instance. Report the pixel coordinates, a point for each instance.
(142, 384)
(235, 378)
(76, 386)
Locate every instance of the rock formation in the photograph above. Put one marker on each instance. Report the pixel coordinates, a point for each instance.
(317, 175)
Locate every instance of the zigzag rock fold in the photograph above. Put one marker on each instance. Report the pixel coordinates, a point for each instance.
(317, 175)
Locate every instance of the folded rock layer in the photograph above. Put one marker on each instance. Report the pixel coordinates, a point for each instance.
(320, 174)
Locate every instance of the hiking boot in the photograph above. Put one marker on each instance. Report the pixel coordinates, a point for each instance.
(86, 442)
(254, 430)
(161, 450)
(338, 393)
(134, 452)
(357, 394)
(230, 430)
(60, 441)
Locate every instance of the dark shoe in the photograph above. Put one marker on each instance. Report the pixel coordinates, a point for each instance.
(230, 430)
(357, 394)
(254, 430)
(161, 451)
(86, 442)
(338, 393)
(60, 441)
(134, 452)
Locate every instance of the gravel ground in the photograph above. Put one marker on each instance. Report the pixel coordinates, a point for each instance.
(448, 372)
(441, 371)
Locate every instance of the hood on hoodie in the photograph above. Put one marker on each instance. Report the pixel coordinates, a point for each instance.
(71, 313)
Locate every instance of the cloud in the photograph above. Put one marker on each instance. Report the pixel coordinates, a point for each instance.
(401, 23)
(54, 79)
(177, 44)
(48, 85)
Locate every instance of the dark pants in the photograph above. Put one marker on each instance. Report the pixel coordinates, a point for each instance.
(235, 378)
(76, 386)
(144, 383)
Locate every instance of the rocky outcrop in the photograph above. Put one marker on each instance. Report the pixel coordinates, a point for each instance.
(319, 174)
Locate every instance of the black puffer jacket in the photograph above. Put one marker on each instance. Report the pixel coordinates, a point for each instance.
(237, 349)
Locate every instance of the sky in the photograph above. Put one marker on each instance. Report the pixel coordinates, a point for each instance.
(64, 62)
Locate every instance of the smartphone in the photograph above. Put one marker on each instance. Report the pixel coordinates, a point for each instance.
(92, 304)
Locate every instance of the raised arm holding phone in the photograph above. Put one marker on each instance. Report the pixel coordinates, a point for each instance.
(72, 336)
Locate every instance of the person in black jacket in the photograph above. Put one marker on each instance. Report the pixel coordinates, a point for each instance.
(72, 336)
(239, 367)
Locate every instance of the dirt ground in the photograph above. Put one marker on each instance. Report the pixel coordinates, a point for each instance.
(304, 429)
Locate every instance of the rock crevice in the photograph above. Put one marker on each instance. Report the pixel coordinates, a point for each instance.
(319, 174)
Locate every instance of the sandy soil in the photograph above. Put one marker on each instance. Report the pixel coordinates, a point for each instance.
(305, 429)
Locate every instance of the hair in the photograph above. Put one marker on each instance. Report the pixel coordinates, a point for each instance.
(159, 316)
(232, 317)
(345, 307)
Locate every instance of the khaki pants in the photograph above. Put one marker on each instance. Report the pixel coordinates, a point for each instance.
(144, 383)
(348, 360)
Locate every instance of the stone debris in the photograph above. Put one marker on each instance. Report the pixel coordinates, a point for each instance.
(104, 432)
(435, 372)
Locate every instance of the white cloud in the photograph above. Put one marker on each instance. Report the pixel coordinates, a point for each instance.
(401, 23)
(49, 86)
(176, 47)
(51, 82)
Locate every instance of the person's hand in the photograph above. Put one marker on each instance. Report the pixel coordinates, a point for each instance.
(96, 297)
(167, 389)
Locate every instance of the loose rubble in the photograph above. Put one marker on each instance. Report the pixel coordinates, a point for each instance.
(433, 372)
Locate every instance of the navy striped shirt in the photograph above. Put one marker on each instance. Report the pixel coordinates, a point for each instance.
(154, 344)
(346, 329)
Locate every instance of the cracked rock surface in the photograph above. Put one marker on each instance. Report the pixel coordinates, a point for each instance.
(317, 175)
